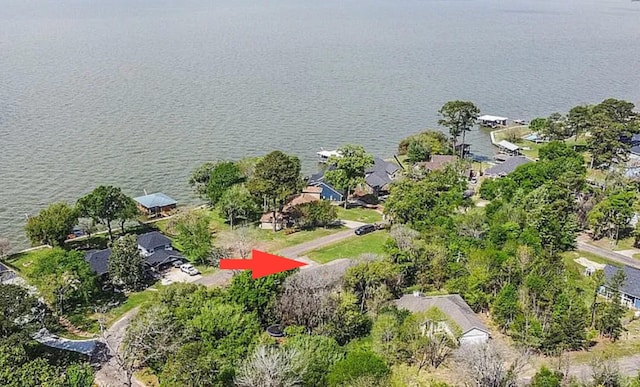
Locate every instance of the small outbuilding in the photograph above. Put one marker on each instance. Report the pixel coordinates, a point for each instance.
(156, 204)
(492, 121)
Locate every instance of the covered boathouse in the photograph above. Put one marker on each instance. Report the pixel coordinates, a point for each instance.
(155, 204)
(492, 121)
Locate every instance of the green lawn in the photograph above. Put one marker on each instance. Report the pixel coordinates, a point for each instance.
(606, 243)
(363, 215)
(351, 248)
(279, 240)
(133, 300)
(22, 261)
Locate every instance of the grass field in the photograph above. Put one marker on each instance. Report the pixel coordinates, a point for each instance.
(22, 261)
(351, 248)
(359, 215)
(606, 243)
(279, 240)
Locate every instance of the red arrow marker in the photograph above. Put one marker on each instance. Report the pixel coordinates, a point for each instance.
(261, 264)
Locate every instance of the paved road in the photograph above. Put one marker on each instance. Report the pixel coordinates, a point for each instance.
(298, 250)
(608, 254)
(223, 277)
(110, 374)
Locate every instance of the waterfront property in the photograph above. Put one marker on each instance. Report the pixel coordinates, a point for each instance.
(506, 167)
(508, 148)
(471, 329)
(328, 192)
(156, 204)
(490, 121)
(283, 219)
(630, 289)
(98, 261)
(379, 175)
(155, 248)
(436, 163)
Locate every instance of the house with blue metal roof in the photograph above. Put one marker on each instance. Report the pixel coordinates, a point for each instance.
(156, 204)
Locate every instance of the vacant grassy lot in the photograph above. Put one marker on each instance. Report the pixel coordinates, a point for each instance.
(275, 241)
(363, 215)
(351, 248)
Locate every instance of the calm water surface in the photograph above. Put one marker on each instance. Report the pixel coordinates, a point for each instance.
(137, 93)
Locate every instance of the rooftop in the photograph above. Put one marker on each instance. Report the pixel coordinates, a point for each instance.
(506, 167)
(302, 198)
(631, 284)
(312, 189)
(152, 240)
(452, 305)
(488, 117)
(98, 260)
(437, 162)
(163, 256)
(508, 145)
(379, 174)
(321, 276)
(154, 200)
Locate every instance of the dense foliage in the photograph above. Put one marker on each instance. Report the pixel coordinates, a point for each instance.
(24, 362)
(314, 214)
(52, 225)
(65, 279)
(126, 265)
(349, 167)
(106, 204)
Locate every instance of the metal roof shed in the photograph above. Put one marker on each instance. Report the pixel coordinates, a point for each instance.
(155, 203)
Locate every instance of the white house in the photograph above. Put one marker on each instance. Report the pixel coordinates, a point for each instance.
(473, 331)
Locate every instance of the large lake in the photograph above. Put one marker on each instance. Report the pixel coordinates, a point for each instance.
(137, 93)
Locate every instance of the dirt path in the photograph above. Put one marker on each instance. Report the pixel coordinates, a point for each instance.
(110, 374)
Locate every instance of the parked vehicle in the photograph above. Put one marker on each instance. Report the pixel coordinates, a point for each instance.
(177, 263)
(189, 269)
(367, 228)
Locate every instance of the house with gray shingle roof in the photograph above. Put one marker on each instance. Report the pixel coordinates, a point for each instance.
(155, 248)
(630, 289)
(472, 330)
(379, 175)
(507, 166)
(98, 261)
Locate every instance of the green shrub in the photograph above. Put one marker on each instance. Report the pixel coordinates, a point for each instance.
(358, 365)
